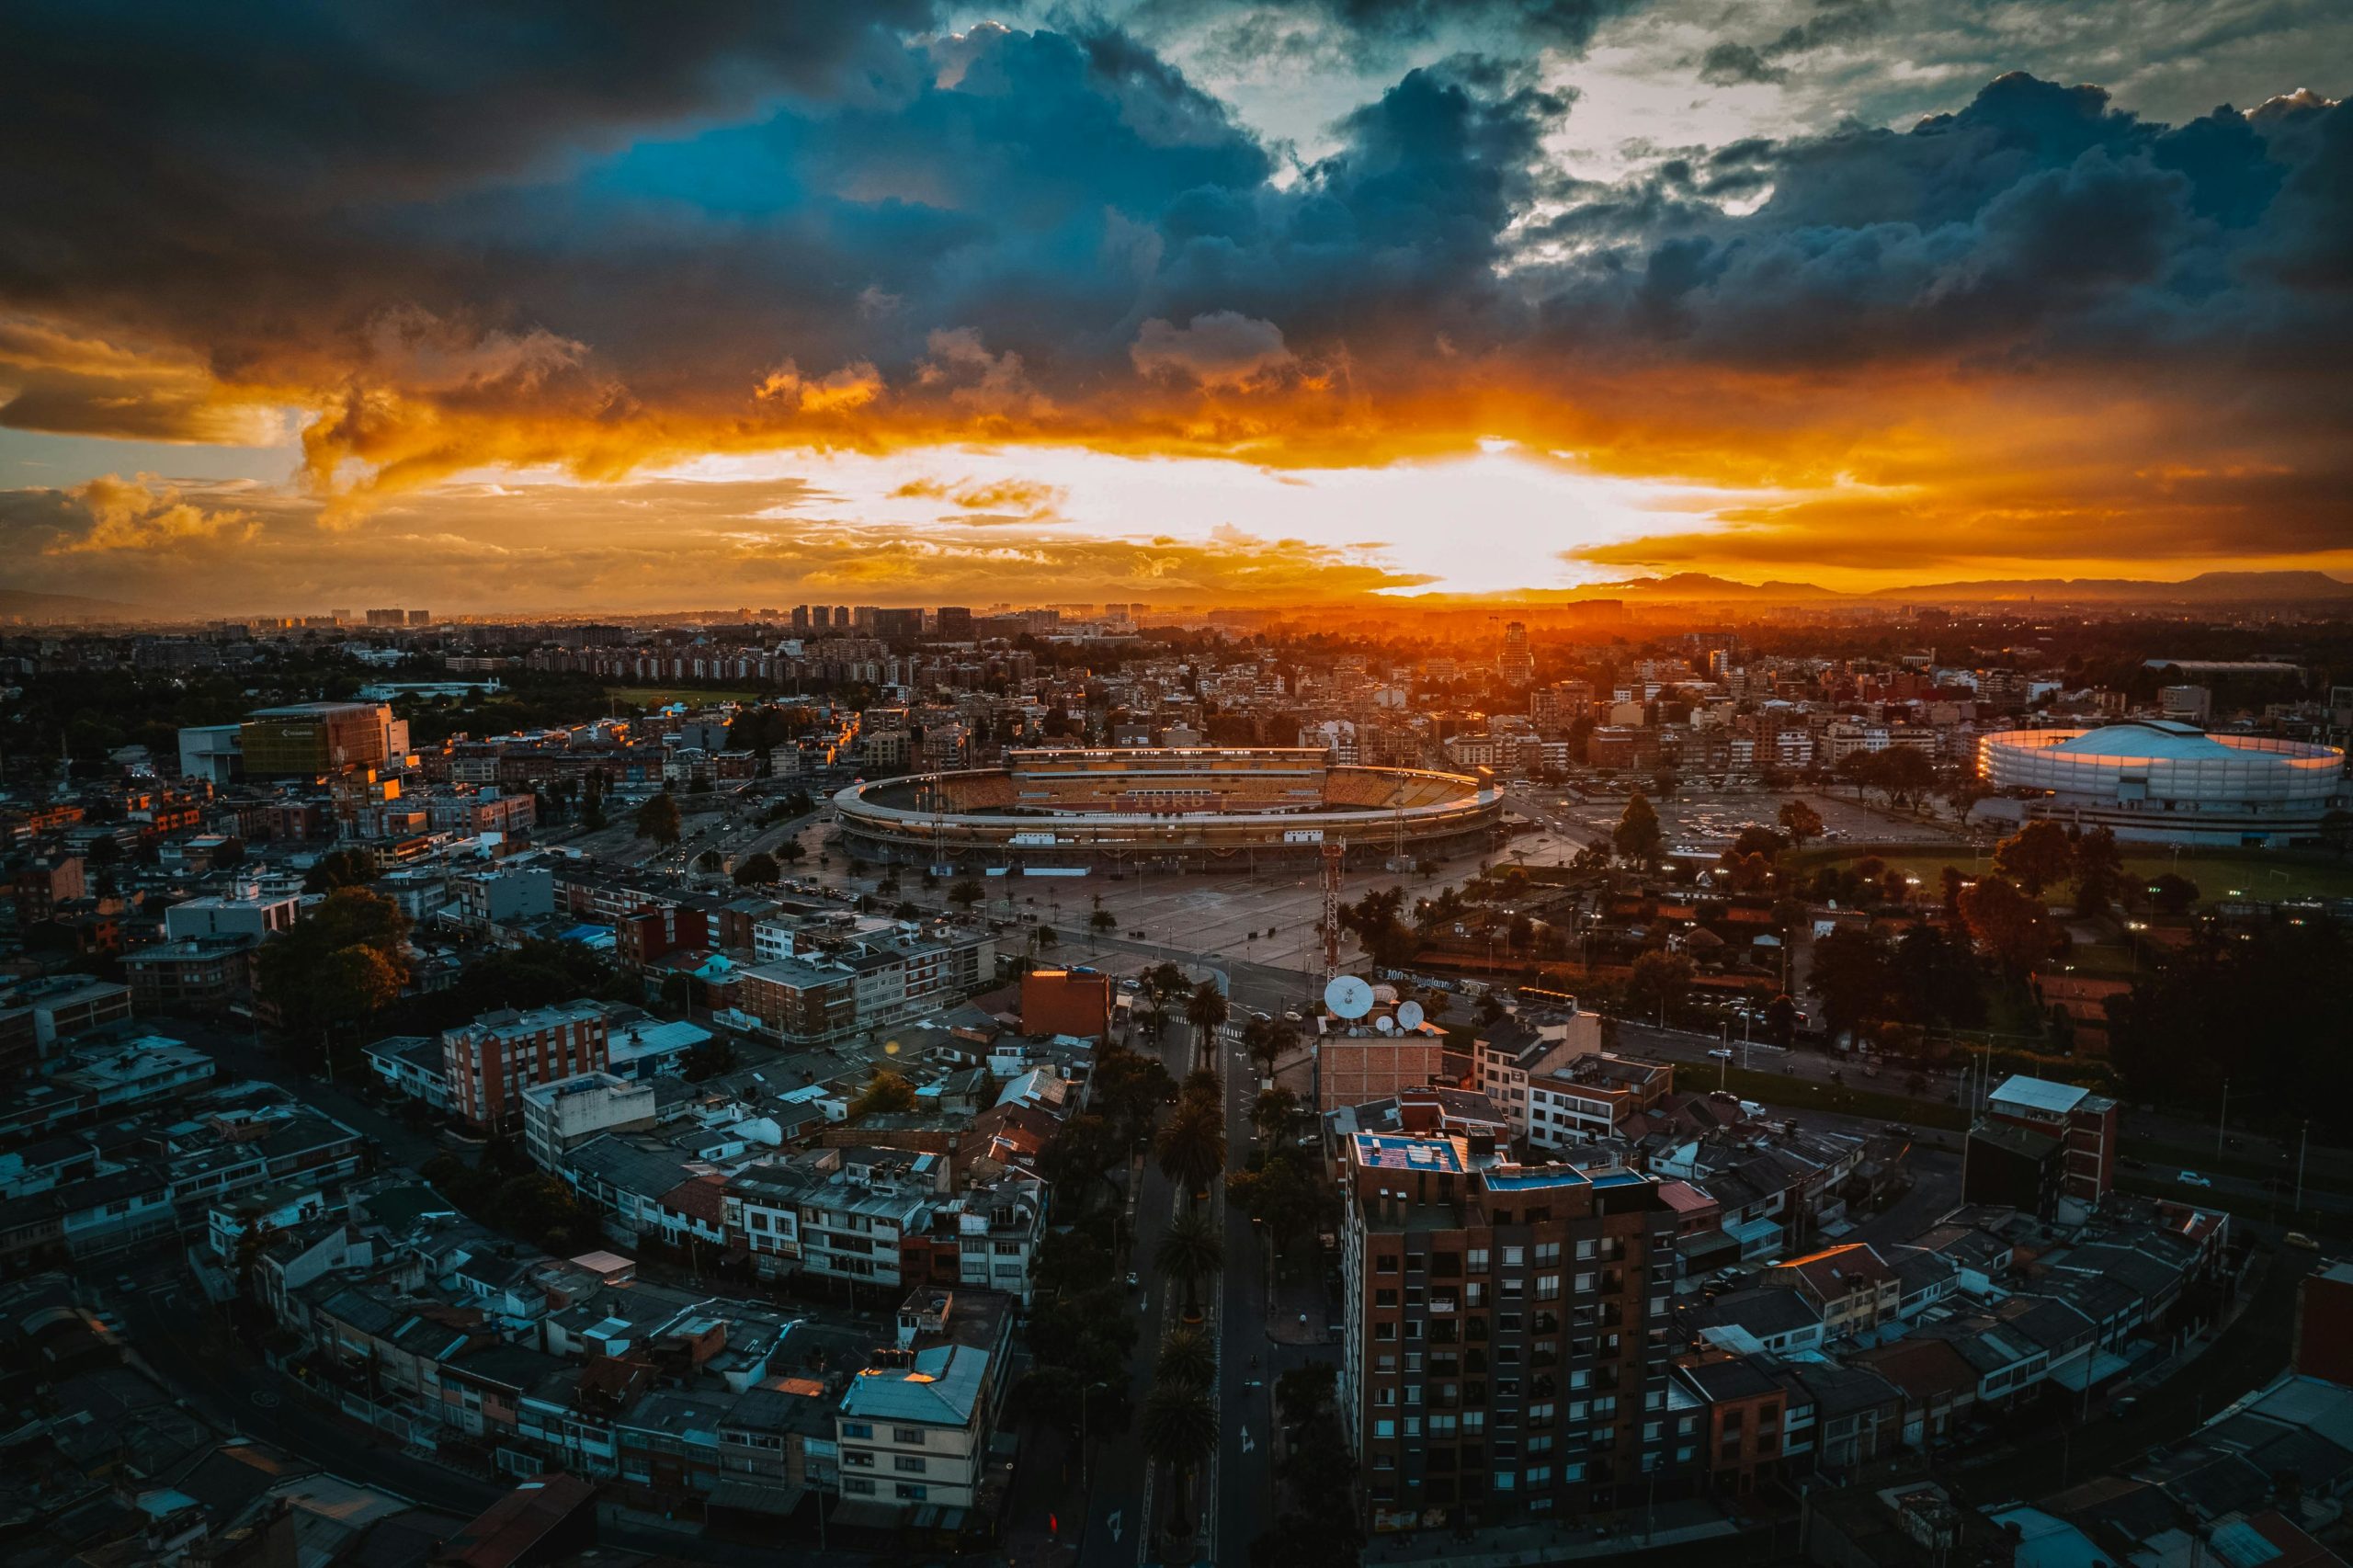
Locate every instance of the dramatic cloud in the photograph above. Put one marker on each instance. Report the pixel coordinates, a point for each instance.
(446, 242)
(1222, 349)
(240, 548)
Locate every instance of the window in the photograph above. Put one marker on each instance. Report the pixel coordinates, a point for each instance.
(910, 1493)
(1384, 1298)
(1506, 1480)
(1547, 1287)
(1544, 1410)
(1549, 1251)
(862, 1459)
(907, 1436)
(1540, 1475)
(1386, 1263)
(1475, 1260)
(1384, 1429)
(1584, 1283)
(858, 1486)
(1585, 1249)
(857, 1429)
(1512, 1257)
(1384, 1331)
(908, 1464)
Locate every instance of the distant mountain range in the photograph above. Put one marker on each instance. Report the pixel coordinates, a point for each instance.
(23, 603)
(2207, 587)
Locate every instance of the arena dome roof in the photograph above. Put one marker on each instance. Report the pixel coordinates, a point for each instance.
(2166, 740)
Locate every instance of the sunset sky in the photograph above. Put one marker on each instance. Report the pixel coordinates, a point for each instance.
(613, 306)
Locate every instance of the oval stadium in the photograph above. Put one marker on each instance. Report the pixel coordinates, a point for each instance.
(2159, 780)
(1197, 808)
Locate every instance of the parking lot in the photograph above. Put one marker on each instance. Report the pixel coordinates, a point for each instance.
(1707, 821)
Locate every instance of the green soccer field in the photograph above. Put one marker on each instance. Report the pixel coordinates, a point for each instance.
(2219, 873)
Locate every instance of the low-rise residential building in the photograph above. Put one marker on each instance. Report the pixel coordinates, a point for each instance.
(559, 1117)
(912, 1430)
(491, 1061)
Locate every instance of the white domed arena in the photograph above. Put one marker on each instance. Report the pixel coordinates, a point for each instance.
(2161, 781)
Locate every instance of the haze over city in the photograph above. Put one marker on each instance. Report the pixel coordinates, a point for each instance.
(1176, 784)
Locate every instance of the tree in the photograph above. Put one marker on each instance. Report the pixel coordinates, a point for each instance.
(1207, 1011)
(1271, 1113)
(1659, 984)
(1129, 1087)
(1042, 937)
(2100, 872)
(658, 820)
(2171, 894)
(710, 860)
(1190, 1252)
(342, 868)
(1187, 1358)
(1781, 1021)
(789, 853)
(1851, 974)
(1802, 822)
(1180, 1430)
(2007, 922)
(1080, 1156)
(1102, 922)
(1191, 1148)
(886, 1094)
(757, 869)
(1638, 836)
(344, 961)
(2035, 857)
(2262, 1006)
(1282, 1195)
(1269, 1042)
(964, 892)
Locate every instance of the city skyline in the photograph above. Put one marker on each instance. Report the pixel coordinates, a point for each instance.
(1172, 303)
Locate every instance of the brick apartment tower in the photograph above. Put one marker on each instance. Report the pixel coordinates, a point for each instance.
(493, 1060)
(1505, 1332)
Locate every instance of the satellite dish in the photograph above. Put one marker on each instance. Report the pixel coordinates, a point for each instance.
(1409, 1015)
(1385, 1024)
(1349, 997)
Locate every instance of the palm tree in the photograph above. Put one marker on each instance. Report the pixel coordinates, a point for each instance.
(1192, 1149)
(1190, 1250)
(1269, 1044)
(1187, 1359)
(1207, 1011)
(1272, 1112)
(1180, 1431)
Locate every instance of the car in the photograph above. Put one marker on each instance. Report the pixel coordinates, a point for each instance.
(2300, 1241)
(1720, 1052)
(1132, 1282)
(125, 1283)
(2192, 1178)
(1896, 1130)
(2123, 1407)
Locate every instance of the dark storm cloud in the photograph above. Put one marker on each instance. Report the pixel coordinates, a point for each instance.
(1835, 24)
(511, 234)
(2039, 224)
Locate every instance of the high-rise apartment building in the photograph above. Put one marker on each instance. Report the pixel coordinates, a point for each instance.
(493, 1060)
(1504, 1332)
(1517, 665)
